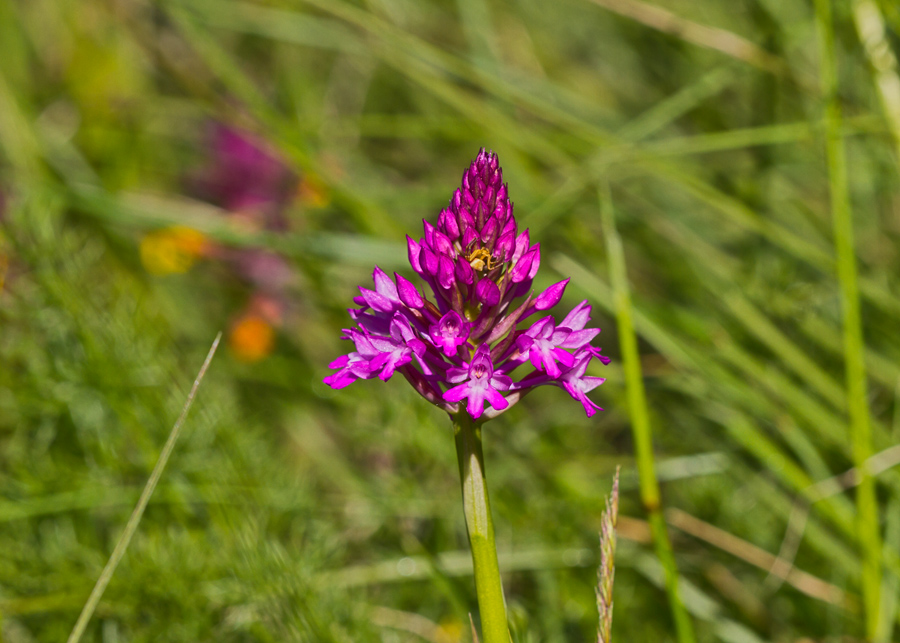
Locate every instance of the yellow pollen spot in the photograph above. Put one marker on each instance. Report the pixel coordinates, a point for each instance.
(172, 250)
(251, 338)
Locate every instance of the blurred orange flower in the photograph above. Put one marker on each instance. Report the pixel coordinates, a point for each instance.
(251, 338)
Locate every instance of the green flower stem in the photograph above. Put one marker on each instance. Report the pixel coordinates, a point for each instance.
(867, 522)
(480, 527)
(640, 421)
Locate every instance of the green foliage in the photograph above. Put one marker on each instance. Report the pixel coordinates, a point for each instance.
(293, 512)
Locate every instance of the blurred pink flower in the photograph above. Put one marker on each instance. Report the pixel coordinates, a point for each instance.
(245, 175)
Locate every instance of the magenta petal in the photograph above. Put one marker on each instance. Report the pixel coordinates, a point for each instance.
(595, 352)
(589, 407)
(408, 293)
(475, 407)
(395, 360)
(429, 261)
(418, 346)
(457, 393)
(445, 273)
(542, 328)
(400, 329)
(550, 366)
(464, 271)
(592, 382)
(564, 357)
(522, 267)
(340, 362)
(509, 227)
(524, 342)
(522, 242)
(489, 231)
(579, 338)
(469, 236)
(447, 221)
(456, 374)
(535, 262)
(413, 251)
(497, 401)
(383, 284)
(487, 292)
(442, 244)
(465, 222)
(377, 301)
(377, 362)
(504, 246)
(578, 317)
(429, 233)
(501, 382)
(449, 333)
(550, 297)
(339, 380)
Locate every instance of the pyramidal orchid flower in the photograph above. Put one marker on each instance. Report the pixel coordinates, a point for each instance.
(461, 341)
(470, 334)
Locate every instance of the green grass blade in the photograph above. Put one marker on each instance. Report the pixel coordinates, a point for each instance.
(871, 29)
(854, 352)
(640, 421)
(138, 513)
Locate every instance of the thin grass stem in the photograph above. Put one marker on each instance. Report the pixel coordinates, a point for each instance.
(131, 526)
(873, 36)
(640, 419)
(890, 584)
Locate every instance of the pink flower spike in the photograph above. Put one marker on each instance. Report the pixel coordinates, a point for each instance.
(461, 335)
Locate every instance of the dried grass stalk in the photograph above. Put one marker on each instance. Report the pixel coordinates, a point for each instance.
(607, 571)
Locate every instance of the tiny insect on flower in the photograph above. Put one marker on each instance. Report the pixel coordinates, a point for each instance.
(481, 258)
(464, 343)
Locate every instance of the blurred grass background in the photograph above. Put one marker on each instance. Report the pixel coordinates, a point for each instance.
(293, 512)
